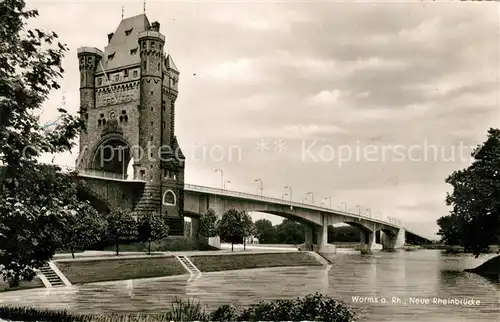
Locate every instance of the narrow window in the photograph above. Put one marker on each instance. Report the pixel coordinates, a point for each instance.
(135, 74)
(151, 123)
(144, 65)
(99, 81)
(163, 124)
(152, 44)
(158, 66)
(117, 78)
(125, 73)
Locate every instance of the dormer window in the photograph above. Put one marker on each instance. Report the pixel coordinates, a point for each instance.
(111, 56)
(133, 51)
(128, 32)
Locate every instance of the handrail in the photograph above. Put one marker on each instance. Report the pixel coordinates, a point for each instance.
(232, 193)
(281, 201)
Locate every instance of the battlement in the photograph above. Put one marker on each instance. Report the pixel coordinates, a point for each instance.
(151, 34)
(89, 50)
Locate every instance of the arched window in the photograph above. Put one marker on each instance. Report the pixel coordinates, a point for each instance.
(169, 198)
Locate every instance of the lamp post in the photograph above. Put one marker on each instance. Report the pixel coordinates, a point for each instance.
(261, 185)
(226, 182)
(290, 192)
(312, 196)
(369, 211)
(345, 205)
(359, 209)
(221, 177)
(330, 200)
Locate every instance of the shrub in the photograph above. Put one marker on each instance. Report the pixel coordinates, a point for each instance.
(186, 311)
(315, 307)
(225, 312)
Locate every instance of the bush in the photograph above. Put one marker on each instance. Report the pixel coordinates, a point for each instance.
(314, 307)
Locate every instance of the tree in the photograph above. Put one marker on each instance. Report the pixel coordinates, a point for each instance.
(449, 230)
(248, 227)
(208, 224)
(474, 221)
(265, 231)
(121, 227)
(151, 227)
(83, 229)
(34, 198)
(290, 232)
(232, 227)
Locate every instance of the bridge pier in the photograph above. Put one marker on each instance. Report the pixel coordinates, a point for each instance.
(308, 243)
(322, 245)
(390, 242)
(367, 241)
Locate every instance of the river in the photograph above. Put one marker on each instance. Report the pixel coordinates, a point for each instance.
(396, 277)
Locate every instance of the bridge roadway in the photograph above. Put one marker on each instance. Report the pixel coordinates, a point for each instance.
(198, 199)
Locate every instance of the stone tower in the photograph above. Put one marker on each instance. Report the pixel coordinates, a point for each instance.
(127, 99)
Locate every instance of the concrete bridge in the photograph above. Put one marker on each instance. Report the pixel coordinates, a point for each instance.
(110, 191)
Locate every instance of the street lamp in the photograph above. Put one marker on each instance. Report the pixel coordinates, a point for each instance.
(359, 209)
(312, 196)
(369, 211)
(261, 185)
(283, 196)
(226, 182)
(290, 192)
(221, 177)
(330, 200)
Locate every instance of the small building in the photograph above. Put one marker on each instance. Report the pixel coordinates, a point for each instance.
(251, 240)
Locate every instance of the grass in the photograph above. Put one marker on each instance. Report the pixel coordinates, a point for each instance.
(169, 244)
(215, 263)
(35, 283)
(90, 271)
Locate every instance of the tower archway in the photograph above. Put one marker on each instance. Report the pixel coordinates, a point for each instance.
(112, 154)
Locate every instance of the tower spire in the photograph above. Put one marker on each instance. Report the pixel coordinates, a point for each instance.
(144, 8)
(123, 9)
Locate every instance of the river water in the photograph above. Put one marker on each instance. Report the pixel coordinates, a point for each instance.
(396, 277)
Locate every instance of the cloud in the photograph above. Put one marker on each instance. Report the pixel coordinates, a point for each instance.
(338, 73)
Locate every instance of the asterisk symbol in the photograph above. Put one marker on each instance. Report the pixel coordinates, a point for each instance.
(262, 146)
(280, 146)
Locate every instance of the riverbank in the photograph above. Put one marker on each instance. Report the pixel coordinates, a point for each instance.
(490, 268)
(104, 268)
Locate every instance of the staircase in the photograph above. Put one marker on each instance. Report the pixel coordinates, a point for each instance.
(51, 276)
(150, 199)
(188, 265)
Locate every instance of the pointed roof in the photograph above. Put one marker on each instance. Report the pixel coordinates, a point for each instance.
(169, 63)
(124, 39)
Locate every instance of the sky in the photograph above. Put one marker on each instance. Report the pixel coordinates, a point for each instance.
(366, 103)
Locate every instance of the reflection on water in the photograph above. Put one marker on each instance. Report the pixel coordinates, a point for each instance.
(395, 276)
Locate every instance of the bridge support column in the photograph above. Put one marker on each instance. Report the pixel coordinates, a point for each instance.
(390, 242)
(195, 226)
(218, 206)
(322, 245)
(308, 243)
(367, 241)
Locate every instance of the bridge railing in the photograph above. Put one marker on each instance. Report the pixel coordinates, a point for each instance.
(121, 177)
(283, 202)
